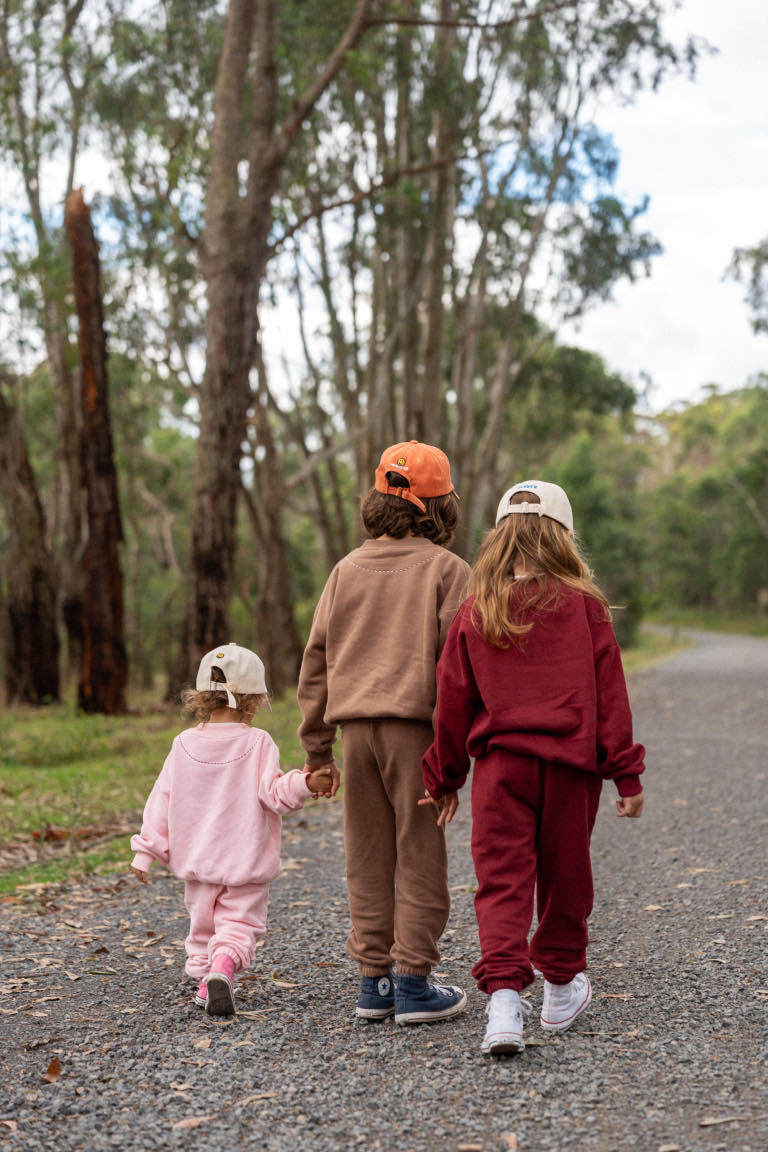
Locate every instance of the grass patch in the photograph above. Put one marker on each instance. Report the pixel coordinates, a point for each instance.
(72, 787)
(650, 647)
(63, 770)
(734, 623)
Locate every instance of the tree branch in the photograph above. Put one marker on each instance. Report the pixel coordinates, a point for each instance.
(306, 103)
(387, 180)
(491, 26)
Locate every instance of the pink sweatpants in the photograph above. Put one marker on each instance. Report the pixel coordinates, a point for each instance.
(223, 919)
(531, 826)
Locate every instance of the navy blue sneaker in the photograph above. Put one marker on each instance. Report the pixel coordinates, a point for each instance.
(419, 1002)
(377, 997)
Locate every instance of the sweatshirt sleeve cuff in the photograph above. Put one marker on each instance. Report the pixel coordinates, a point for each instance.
(318, 759)
(628, 785)
(142, 861)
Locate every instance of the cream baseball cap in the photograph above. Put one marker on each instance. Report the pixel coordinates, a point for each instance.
(242, 669)
(553, 502)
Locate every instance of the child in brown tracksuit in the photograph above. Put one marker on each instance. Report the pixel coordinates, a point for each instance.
(369, 668)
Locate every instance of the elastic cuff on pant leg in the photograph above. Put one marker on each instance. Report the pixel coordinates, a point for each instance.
(492, 986)
(375, 973)
(406, 970)
(228, 952)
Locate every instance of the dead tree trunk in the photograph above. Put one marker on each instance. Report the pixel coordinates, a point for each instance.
(104, 668)
(32, 642)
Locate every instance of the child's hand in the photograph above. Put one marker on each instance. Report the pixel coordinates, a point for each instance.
(446, 806)
(142, 877)
(631, 806)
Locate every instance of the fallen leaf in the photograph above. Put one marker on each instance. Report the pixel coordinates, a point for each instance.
(204, 1043)
(190, 1122)
(257, 1096)
(153, 940)
(669, 1148)
(653, 908)
(283, 984)
(54, 1071)
(469, 1148)
(721, 916)
(11, 1125)
(73, 976)
(751, 919)
(711, 1121)
(511, 1141)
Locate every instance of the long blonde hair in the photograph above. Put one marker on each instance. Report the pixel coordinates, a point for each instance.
(550, 553)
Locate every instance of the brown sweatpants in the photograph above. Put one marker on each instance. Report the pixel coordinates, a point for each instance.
(397, 872)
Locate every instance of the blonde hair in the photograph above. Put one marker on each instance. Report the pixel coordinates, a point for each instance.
(550, 553)
(203, 704)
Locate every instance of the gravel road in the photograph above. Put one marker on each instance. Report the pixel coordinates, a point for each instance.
(670, 1056)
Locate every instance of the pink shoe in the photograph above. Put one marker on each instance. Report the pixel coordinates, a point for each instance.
(220, 998)
(201, 996)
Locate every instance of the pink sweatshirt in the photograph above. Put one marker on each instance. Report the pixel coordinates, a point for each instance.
(214, 811)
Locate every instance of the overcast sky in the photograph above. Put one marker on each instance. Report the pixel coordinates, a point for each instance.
(700, 151)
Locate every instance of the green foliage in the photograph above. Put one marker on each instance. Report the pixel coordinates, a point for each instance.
(708, 513)
(600, 474)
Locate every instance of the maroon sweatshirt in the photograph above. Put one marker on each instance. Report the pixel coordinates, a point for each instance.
(560, 697)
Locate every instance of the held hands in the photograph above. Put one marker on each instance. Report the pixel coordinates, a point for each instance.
(323, 779)
(142, 877)
(631, 806)
(446, 806)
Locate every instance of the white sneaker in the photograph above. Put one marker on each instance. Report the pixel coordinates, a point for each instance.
(563, 1003)
(505, 1023)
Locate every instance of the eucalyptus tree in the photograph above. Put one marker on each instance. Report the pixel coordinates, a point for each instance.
(474, 197)
(31, 655)
(750, 265)
(50, 51)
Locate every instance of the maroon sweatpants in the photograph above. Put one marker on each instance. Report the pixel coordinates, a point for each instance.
(531, 826)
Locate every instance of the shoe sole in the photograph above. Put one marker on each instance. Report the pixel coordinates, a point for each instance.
(431, 1017)
(375, 1013)
(221, 999)
(503, 1046)
(564, 1025)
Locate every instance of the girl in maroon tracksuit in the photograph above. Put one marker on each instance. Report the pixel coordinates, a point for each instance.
(530, 684)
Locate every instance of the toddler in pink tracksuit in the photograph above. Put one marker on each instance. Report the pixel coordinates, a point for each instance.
(213, 816)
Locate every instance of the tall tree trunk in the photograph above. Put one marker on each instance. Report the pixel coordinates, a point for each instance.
(104, 668)
(235, 253)
(279, 642)
(32, 642)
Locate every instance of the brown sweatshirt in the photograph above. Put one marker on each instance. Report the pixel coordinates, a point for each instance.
(378, 630)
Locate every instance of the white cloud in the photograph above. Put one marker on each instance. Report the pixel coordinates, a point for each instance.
(700, 151)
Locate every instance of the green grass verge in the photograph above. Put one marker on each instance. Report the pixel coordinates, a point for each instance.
(64, 770)
(735, 623)
(651, 647)
(84, 778)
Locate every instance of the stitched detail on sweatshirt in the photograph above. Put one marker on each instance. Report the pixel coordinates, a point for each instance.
(390, 571)
(233, 760)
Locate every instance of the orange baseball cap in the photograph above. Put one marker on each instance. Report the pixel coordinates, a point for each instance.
(426, 468)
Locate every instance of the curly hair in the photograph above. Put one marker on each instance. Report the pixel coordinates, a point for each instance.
(202, 704)
(387, 515)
